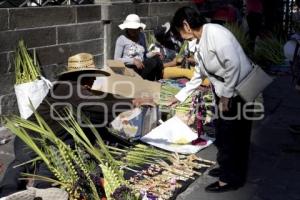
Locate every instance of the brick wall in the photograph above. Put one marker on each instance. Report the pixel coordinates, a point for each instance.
(59, 32)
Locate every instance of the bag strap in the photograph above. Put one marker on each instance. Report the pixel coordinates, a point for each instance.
(219, 78)
(48, 83)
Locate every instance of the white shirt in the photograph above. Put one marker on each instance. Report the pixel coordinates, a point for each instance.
(223, 56)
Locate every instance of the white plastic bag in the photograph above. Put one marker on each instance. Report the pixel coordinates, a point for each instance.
(174, 135)
(135, 123)
(35, 92)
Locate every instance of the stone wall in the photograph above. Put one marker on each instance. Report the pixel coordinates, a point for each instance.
(59, 32)
(55, 33)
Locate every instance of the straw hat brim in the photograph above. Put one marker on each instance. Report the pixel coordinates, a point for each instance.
(132, 25)
(91, 70)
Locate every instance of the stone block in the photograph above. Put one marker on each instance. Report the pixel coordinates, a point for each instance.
(57, 54)
(32, 37)
(142, 9)
(4, 63)
(3, 19)
(41, 17)
(88, 13)
(165, 8)
(99, 60)
(117, 11)
(51, 71)
(164, 19)
(115, 32)
(74, 33)
(151, 22)
(93, 47)
(8, 104)
(7, 82)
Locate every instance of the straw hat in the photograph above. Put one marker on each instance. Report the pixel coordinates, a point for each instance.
(82, 62)
(132, 21)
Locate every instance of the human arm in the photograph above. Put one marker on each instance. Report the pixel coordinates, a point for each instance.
(190, 86)
(119, 51)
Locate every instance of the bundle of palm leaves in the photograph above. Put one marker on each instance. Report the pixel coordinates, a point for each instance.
(79, 170)
(26, 68)
(71, 168)
(269, 50)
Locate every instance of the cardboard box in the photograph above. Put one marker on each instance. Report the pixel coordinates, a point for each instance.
(127, 84)
(119, 67)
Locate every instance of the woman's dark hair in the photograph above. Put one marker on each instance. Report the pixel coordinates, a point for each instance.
(191, 15)
(297, 2)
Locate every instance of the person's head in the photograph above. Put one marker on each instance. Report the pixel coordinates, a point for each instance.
(297, 3)
(132, 33)
(187, 23)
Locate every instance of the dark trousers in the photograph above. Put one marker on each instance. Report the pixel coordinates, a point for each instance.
(11, 182)
(152, 70)
(232, 142)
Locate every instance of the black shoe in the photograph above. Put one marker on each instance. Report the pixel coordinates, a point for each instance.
(297, 87)
(294, 129)
(216, 188)
(216, 172)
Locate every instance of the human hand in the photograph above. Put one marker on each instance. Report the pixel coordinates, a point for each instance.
(143, 101)
(138, 63)
(158, 54)
(179, 60)
(191, 60)
(173, 102)
(224, 104)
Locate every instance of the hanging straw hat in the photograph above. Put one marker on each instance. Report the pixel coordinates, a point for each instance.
(82, 62)
(132, 21)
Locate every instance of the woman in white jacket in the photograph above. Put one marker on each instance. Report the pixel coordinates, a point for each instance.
(221, 59)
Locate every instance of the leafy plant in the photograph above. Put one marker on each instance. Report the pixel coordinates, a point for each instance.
(269, 50)
(68, 165)
(139, 155)
(150, 38)
(27, 69)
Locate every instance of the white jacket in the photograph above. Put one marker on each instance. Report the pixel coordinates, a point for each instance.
(223, 56)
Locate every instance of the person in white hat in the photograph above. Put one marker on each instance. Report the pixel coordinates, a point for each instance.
(131, 49)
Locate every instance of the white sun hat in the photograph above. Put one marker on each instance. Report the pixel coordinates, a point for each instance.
(132, 21)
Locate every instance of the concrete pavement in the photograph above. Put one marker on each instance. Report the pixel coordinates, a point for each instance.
(274, 166)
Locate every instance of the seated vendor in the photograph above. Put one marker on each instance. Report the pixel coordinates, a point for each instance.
(74, 90)
(176, 64)
(131, 49)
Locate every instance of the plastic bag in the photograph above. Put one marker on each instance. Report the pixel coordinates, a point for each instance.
(35, 92)
(135, 123)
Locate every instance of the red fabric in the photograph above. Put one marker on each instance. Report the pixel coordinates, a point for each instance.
(198, 1)
(199, 142)
(254, 6)
(225, 13)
